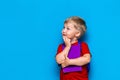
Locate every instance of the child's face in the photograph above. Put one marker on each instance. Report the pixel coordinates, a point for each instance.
(70, 31)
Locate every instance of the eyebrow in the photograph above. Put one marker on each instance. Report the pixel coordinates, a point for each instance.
(67, 26)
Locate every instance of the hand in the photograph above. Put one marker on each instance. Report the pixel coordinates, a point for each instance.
(67, 41)
(60, 59)
(66, 62)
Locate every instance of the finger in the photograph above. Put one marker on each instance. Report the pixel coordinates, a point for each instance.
(68, 39)
(63, 65)
(64, 38)
(66, 58)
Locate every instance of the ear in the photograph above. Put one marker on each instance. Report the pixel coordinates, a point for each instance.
(78, 34)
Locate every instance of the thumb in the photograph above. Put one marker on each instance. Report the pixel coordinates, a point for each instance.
(66, 57)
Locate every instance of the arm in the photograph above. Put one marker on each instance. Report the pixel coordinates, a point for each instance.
(60, 57)
(80, 61)
(85, 59)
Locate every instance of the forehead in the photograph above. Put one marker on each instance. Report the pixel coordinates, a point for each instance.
(69, 24)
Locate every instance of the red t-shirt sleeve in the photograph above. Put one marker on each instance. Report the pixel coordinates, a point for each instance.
(59, 48)
(85, 49)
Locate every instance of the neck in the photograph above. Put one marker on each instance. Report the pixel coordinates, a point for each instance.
(73, 41)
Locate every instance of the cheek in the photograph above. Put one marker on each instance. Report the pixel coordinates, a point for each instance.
(70, 34)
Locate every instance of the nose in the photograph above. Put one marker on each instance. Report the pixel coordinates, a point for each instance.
(63, 31)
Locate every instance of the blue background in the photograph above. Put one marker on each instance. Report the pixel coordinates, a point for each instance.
(30, 32)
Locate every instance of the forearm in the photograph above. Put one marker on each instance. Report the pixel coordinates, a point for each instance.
(80, 61)
(66, 50)
(60, 57)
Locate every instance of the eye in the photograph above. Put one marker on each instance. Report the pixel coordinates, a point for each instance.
(68, 28)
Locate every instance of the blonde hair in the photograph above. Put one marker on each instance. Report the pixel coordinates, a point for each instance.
(79, 23)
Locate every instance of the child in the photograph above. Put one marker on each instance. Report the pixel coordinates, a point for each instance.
(74, 28)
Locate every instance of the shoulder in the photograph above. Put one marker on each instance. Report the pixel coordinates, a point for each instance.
(85, 48)
(60, 45)
(59, 48)
(84, 44)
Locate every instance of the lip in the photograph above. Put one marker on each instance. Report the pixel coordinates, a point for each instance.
(63, 34)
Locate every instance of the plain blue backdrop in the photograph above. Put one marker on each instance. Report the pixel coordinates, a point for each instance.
(30, 32)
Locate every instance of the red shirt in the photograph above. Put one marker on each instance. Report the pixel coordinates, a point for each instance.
(81, 75)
